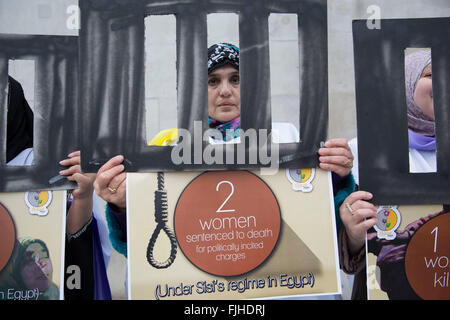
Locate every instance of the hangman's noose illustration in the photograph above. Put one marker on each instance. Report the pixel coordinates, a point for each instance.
(161, 220)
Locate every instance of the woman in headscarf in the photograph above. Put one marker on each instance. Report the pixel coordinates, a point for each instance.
(359, 216)
(28, 274)
(419, 99)
(224, 106)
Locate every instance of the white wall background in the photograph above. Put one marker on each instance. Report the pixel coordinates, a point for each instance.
(55, 17)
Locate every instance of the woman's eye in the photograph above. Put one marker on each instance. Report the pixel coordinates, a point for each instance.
(212, 82)
(235, 80)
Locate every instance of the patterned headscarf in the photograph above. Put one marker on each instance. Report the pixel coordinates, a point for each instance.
(221, 54)
(418, 121)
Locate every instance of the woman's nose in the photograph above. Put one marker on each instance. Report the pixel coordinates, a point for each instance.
(225, 88)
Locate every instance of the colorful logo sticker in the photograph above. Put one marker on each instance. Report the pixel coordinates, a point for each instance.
(301, 178)
(389, 219)
(38, 201)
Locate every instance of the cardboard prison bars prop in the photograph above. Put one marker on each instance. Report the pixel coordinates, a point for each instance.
(55, 110)
(381, 109)
(112, 79)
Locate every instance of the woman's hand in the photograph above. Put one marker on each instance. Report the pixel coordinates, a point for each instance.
(73, 173)
(336, 156)
(358, 215)
(110, 183)
(81, 208)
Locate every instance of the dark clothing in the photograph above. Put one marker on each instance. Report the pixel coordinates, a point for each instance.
(121, 218)
(79, 253)
(84, 252)
(19, 130)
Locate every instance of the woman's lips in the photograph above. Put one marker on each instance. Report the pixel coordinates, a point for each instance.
(226, 105)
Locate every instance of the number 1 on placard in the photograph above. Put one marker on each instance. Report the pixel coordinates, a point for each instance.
(229, 196)
(435, 237)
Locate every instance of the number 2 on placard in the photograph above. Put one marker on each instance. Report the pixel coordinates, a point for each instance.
(229, 196)
(435, 237)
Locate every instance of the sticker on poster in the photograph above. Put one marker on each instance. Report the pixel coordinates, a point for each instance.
(389, 220)
(301, 178)
(38, 201)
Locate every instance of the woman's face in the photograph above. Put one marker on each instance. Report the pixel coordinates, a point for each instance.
(423, 95)
(36, 268)
(224, 94)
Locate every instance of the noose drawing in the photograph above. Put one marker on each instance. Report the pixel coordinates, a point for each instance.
(161, 220)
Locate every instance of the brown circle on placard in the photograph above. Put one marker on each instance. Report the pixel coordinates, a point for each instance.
(427, 260)
(7, 236)
(224, 242)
